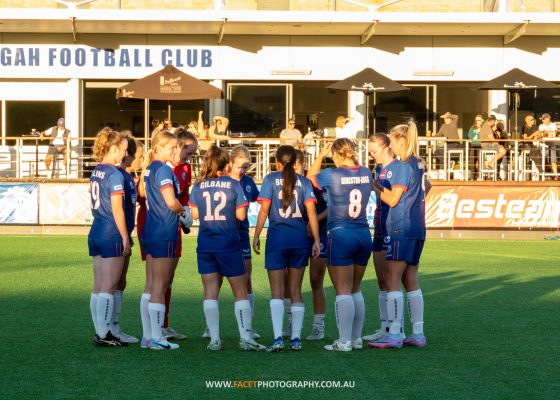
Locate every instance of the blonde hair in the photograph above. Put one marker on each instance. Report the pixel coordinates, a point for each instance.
(105, 139)
(408, 133)
(240, 151)
(345, 149)
(161, 139)
(381, 139)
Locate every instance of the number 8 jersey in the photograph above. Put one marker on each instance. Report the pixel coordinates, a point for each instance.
(287, 228)
(105, 181)
(216, 200)
(348, 190)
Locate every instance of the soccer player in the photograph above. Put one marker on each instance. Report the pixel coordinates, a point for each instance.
(406, 227)
(284, 194)
(240, 160)
(217, 200)
(130, 216)
(159, 238)
(108, 239)
(387, 167)
(348, 188)
(317, 266)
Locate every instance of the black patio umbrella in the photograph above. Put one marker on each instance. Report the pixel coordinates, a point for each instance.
(515, 81)
(368, 81)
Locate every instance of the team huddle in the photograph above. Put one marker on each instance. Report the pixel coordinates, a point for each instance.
(315, 217)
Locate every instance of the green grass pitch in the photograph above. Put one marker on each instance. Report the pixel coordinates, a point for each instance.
(491, 321)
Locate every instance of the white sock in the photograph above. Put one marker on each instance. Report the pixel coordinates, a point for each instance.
(394, 311)
(93, 309)
(298, 311)
(117, 305)
(288, 309)
(243, 315)
(277, 314)
(359, 315)
(402, 315)
(145, 316)
(382, 297)
(157, 315)
(344, 310)
(319, 320)
(416, 310)
(104, 313)
(252, 301)
(212, 314)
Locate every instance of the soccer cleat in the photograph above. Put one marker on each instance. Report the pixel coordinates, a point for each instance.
(163, 344)
(215, 345)
(295, 344)
(206, 333)
(145, 343)
(416, 340)
(276, 345)
(318, 333)
(250, 345)
(392, 340)
(108, 341)
(170, 333)
(374, 337)
(123, 337)
(254, 334)
(357, 344)
(339, 346)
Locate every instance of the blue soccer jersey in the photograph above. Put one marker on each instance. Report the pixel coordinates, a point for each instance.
(348, 190)
(251, 194)
(287, 229)
(216, 200)
(129, 200)
(161, 222)
(406, 220)
(384, 175)
(105, 181)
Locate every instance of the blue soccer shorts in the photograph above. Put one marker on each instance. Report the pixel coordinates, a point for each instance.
(289, 258)
(245, 246)
(161, 248)
(405, 250)
(347, 247)
(106, 248)
(227, 264)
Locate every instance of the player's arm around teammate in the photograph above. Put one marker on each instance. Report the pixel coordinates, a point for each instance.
(407, 231)
(283, 195)
(160, 236)
(349, 241)
(217, 200)
(108, 239)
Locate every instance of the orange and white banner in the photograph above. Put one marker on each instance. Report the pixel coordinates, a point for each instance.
(493, 207)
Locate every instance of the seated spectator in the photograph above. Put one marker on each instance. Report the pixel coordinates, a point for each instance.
(216, 131)
(529, 131)
(344, 128)
(291, 135)
(548, 130)
(450, 131)
(487, 133)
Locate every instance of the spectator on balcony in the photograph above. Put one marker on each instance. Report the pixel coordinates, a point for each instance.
(216, 131)
(58, 135)
(530, 131)
(488, 134)
(291, 135)
(450, 131)
(345, 128)
(474, 135)
(548, 130)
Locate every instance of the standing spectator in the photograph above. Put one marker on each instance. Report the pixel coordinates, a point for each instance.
(58, 135)
(529, 131)
(474, 135)
(548, 129)
(291, 135)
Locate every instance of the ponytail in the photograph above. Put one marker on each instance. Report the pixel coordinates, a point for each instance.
(147, 161)
(408, 133)
(286, 155)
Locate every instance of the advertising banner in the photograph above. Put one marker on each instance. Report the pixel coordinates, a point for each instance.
(493, 207)
(18, 204)
(65, 204)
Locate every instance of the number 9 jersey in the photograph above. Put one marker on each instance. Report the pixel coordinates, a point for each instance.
(216, 200)
(105, 181)
(348, 190)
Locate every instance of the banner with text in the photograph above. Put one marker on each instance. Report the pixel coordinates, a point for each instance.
(493, 207)
(18, 204)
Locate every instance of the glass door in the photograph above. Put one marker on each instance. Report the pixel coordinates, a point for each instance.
(394, 108)
(261, 109)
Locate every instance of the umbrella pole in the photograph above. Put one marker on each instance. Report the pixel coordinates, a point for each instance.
(169, 112)
(366, 114)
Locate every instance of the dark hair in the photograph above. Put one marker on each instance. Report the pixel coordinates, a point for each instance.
(184, 137)
(216, 160)
(132, 145)
(300, 156)
(286, 155)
